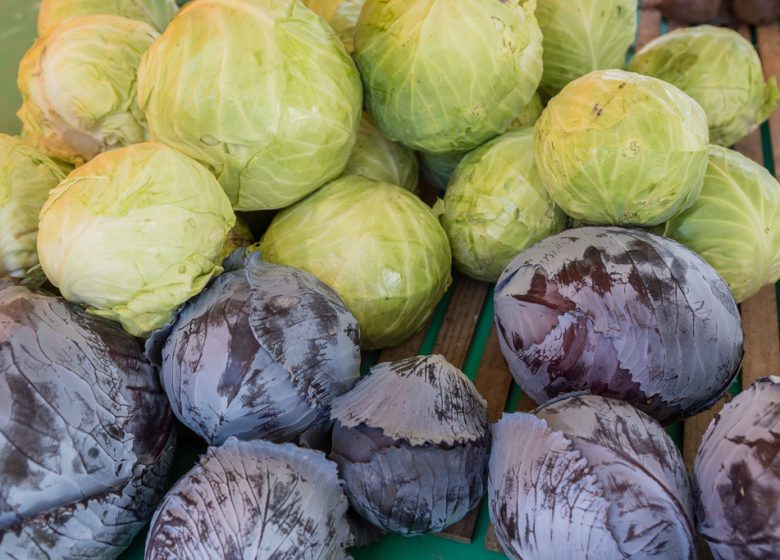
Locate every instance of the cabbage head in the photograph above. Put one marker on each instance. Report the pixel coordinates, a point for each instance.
(446, 75)
(26, 177)
(376, 244)
(718, 68)
(496, 206)
(134, 233)
(581, 36)
(619, 148)
(342, 15)
(530, 114)
(735, 223)
(261, 92)
(78, 86)
(156, 13)
(375, 157)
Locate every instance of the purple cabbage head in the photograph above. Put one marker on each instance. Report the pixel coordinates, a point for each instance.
(411, 441)
(259, 354)
(621, 313)
(589, 477)
(86, 434)
(736, 476)
(253, 499)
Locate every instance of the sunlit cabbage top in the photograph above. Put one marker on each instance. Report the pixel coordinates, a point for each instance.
(263, 93)
(156, 13)
(445, 75)
(376, 244)
(134, 233)
(615, 147)
(718, 68)
(584, 35)
(496, 206)
(78, 87)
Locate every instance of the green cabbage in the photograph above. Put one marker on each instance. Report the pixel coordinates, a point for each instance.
(619, 148)
(156, 13)
(342, 15)
(584, 35)
(446, 75)
(134, 233)
(375, 157)
(719, 69)
(376, 244)
(529, 115)
(262, 92)
(496, 206)
(344, 22)
(735, 223)
(78, 86)
(531, 61)
(26, 177)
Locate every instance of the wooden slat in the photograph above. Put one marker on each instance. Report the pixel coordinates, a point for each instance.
(453, 343)
(491, 541)
(409, 347)
(493, 379)
(461, 319)
(762, 340)
(649, 26)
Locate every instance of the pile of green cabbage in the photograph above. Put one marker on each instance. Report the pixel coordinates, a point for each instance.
(519, 110)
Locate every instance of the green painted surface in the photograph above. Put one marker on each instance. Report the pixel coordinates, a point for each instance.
(17, 32)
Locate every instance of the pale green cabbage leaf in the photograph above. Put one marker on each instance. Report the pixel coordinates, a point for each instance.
(619, 148)
(375, 157)
(496, 206)
(263, 93)
(446, 75)
(581, 36)
(735, 223)
(78, 86)
(134, 233)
